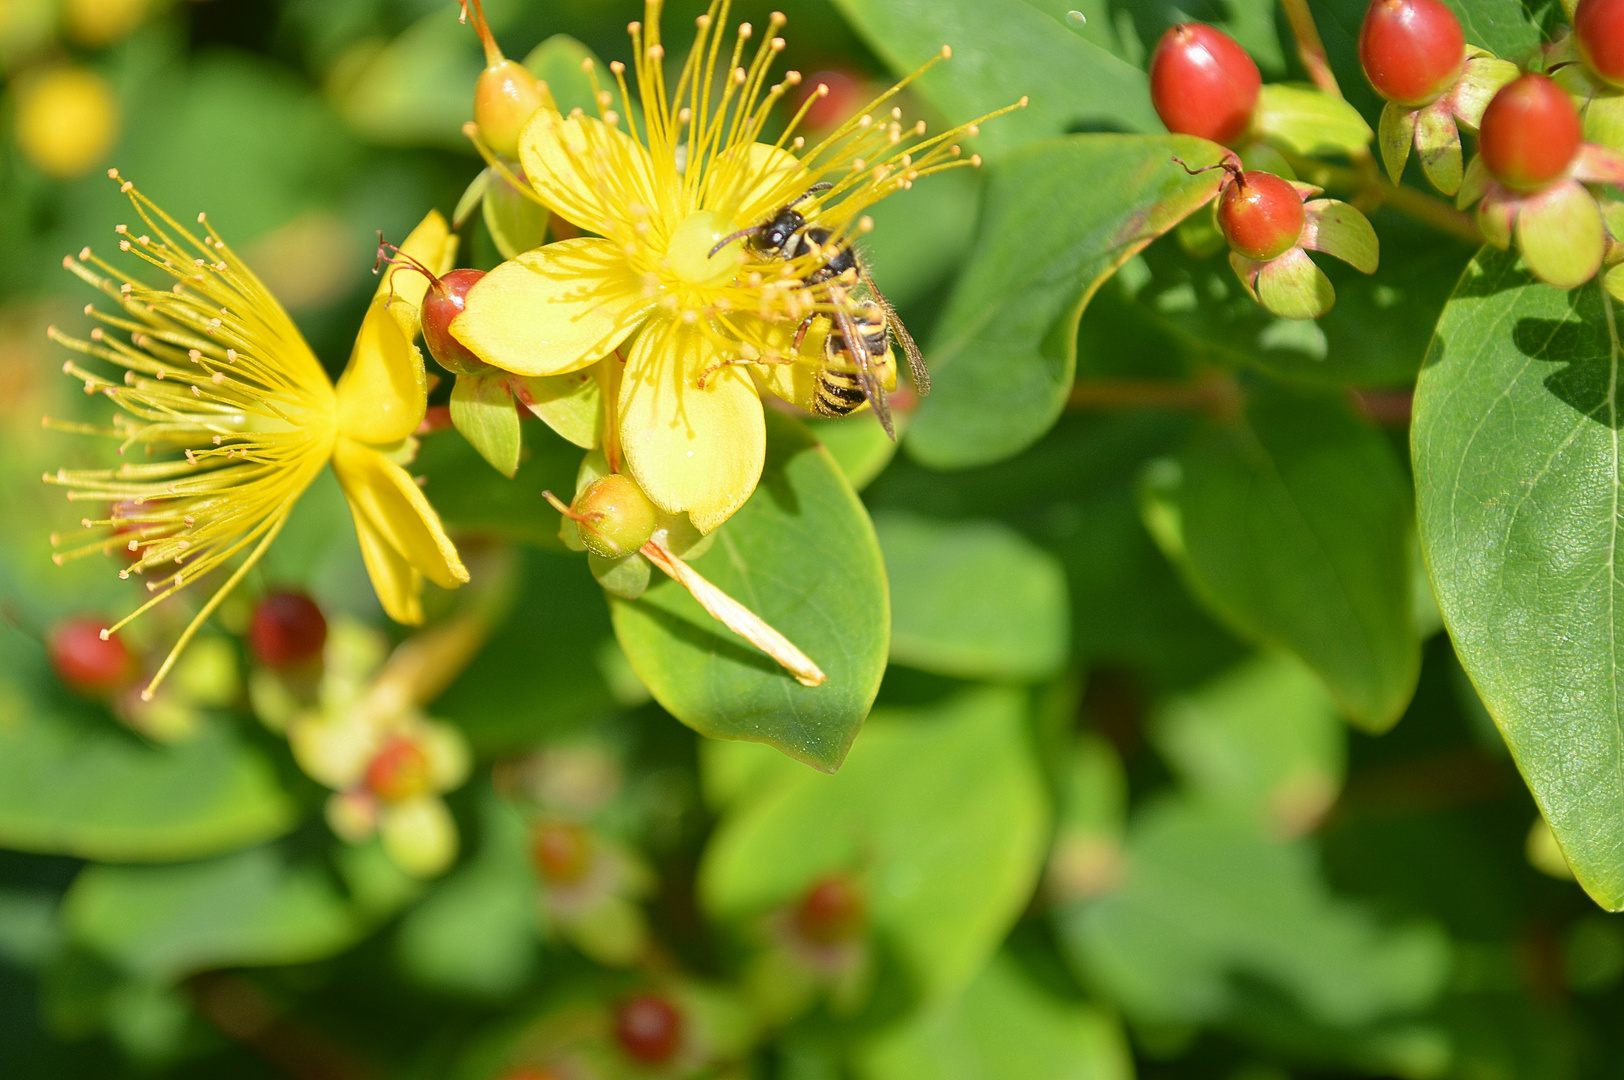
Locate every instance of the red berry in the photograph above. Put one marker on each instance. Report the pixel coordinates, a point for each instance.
(444, 301)
(1530, 133)
(1203, 83)
(287, 628)
(649, 1028)
(1261, 215)
(398, 771)
(85, 663)
(832, 912)
(1411, 50)
(1599, 27)
(562, 852)
(844, 97)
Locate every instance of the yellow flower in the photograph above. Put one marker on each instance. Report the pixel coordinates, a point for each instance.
(706, 332)
(216, 370)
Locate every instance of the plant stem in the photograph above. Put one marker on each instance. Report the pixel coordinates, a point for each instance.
(1213, 392)
(1310, 49)
(1367, 184)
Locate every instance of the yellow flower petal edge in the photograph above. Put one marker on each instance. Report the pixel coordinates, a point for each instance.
(584, 170)
(394, 506)
(690, 448)
(553, 310)
(238, 418)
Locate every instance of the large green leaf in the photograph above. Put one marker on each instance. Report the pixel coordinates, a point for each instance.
(73, 782)
(1002, 52)
(802, 555)
(254, 907)
(1517, 458)
(1060, 217)
(1002, 1027)
(1211, 903)
(1291, 521)
(974, 600)
(940, 814)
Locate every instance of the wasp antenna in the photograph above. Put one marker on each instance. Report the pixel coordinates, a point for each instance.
(754, 230)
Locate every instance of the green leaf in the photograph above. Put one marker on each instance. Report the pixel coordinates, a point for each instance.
(802, 555)
(517, 223)
(1061, 216)
(482, 410)
(1291, 523)
(413, 91)
(477, 933)
(572, 405)
(921, 235)
(858, 444)
(1002, 52)
(1516, 457)
(1002, 1027)
(164, 922)
(1307, 120)
(1263, 739)
(558, 62)
(1210, 903)
(939, 812)
(973, 600)
(75, 783)
(1507, 28)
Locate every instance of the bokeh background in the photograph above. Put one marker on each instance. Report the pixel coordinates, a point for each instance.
(1104, 837)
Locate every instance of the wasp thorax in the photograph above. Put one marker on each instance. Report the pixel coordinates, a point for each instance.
(614, 516)
(689, 253)
(505, 97)
(444, 301)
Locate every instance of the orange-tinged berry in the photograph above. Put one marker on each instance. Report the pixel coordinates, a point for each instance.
(1261, 215)
(832, 912)
(649, 1028)
(614, 516)
(1530, 133)
(1598, 26)
(562, 852)
(287, 628)
(1203, 83)
(1411, 50)
(85, 662)
(399, 771)
(505, 97)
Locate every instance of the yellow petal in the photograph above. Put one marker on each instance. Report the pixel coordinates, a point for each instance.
(552, 310)
(693, 449)
(383, 392)
(586, 171)
(434, 245)
(401, 535)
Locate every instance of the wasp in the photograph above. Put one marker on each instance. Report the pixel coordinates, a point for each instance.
(855, 350)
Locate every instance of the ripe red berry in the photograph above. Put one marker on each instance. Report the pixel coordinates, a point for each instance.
(1411, 50)
(562, 852)
(1530, 133)
(85, 663)
(287, 628)
(649, 1028)
(444, 301)
(844, 97)
(1203, 83)
(398, 771)
(1262, 215)
(832, 912)
(1598, 25)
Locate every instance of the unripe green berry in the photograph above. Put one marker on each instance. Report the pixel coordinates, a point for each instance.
(614, 516)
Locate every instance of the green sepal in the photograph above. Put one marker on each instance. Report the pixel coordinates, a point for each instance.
(517, 222)
(1289, 286)
(1560, 235)
(1437, 140)
(472, 196)
(1395, 135)
(1479, 82)
(1339, 229)
(482, 411)
(571, 404)
(626, 578)
(1306, 120)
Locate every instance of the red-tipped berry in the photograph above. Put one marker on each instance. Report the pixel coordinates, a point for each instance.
(399, 771)
(1411, 50)
(614, 516)
(443, 302)
(649, 1028)
(287, 628)
(832, 912)
(85, 663)
(562, 852)
(1261, 215)
(1530, 133)
(1598, 26)
(1203, 83)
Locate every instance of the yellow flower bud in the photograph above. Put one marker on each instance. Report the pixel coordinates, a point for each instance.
(97, 23)
(67, 120)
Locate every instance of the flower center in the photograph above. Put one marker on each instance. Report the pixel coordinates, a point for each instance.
(689, 254)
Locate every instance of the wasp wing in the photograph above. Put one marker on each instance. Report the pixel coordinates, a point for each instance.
(873, 389)
(916, 361)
